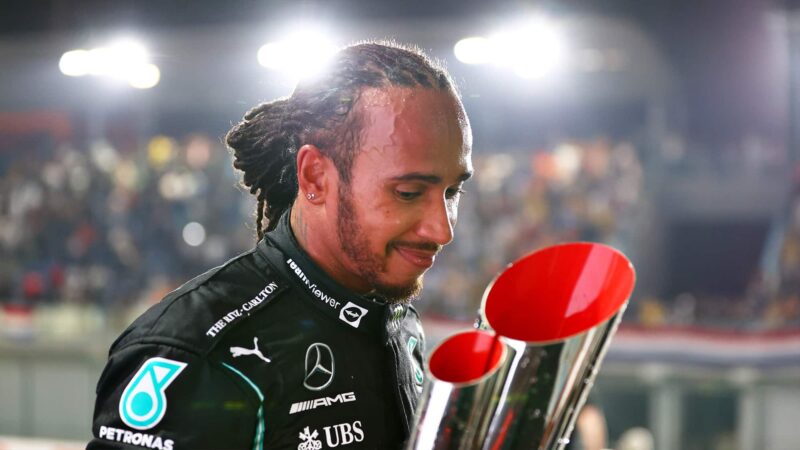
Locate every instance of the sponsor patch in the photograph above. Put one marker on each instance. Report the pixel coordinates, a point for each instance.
(242, 311)
(307, 405)
(320, 367)
(134, 438)
(335, 436)
(143, 401)
(317, 292)
(344, 434)
(352, 314)
(255, 351)
(308, 440)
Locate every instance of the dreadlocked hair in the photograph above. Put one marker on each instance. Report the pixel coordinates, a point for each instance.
(265, 143)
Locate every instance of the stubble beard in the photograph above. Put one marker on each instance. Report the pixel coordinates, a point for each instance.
(369, 266)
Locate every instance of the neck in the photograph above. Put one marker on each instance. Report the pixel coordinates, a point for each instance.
(299, 227)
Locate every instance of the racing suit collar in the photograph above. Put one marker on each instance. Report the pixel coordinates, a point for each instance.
(367, 313)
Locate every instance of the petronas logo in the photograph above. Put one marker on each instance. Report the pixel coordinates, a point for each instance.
(143, 402)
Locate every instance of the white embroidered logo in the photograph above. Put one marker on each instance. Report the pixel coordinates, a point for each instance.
(241, 351)
(310, 441)
(351, 314)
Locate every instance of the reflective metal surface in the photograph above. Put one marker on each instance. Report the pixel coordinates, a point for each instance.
(467, 376)
(530, 396)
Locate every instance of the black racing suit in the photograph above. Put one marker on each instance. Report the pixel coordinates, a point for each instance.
(265, 351)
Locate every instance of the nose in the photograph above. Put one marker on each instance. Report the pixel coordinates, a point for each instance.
(437, 224)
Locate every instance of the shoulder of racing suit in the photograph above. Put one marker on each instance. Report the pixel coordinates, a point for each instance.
(196, 315)
(164, 358)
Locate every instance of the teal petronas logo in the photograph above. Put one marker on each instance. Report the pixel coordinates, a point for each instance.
(143, 402)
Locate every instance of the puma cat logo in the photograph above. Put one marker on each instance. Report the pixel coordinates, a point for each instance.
(241, 351)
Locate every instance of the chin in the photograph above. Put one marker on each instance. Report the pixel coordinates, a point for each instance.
(400, 292)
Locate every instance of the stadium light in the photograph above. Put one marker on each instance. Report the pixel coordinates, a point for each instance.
(126, 60)
(74, 63)
(473, 50)
(117, 59)
(300, 54)
(144, 76)
(534, 48)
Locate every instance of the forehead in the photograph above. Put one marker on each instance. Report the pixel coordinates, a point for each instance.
(413, 129)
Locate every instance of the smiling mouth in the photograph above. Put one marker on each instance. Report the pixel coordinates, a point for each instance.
(420, 258)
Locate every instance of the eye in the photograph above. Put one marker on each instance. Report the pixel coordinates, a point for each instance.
(454, 192)
(409, 191)
(407, 195)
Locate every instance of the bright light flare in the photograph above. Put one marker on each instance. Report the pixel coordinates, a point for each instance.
(274, 55)
(473, 50)
(144, 76)
(194, 234)
(303, 54)
(118, 59)
(534, 49)
(126, 60)
(75, 63)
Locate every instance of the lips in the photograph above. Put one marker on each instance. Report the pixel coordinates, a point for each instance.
(419, 258)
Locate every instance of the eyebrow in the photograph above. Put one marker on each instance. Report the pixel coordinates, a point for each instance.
(430, 178)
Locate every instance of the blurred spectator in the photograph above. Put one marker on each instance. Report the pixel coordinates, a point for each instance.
(652, 312)
(636, 439)
(590, 431)
(683, 310)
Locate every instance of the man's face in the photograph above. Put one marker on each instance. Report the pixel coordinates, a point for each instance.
(401, 204)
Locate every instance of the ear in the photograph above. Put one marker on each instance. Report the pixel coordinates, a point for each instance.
(313, 177)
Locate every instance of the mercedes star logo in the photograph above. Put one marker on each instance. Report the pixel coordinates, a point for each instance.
(319, 367)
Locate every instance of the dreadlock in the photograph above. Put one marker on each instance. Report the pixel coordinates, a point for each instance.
(265, 143)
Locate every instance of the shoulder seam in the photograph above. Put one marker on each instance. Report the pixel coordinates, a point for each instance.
(160, 340)
(188, 291)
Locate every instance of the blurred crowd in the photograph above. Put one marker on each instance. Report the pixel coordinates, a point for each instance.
(116, 230)
(771, 300)
(784, 306)
(95, 225)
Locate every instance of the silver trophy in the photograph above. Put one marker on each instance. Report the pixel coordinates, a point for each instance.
(519, 381)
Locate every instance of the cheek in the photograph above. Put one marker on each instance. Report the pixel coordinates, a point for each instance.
(452, 212)
(389, 222)
(393, 222)
(383, 219)
(377, 221)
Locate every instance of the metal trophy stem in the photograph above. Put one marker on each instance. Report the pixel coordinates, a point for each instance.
(466, 367)
(521, 384)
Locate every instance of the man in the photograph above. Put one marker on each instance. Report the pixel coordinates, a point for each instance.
(308, 341)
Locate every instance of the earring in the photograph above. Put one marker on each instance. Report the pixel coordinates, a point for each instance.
(310, 196)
